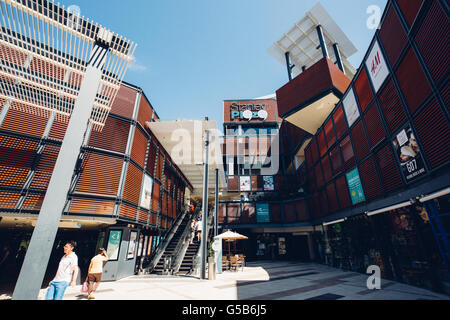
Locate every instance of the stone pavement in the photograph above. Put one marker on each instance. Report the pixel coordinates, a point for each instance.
(258, 281)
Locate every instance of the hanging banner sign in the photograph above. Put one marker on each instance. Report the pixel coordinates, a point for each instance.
(355, 187)
(377, 66)
(262, 213)
(408, 151)
(268, 183)
(113, 247)
(146, 194)
(245, 183)
(351, 108)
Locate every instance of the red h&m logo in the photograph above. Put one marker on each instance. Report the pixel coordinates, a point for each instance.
(375, 63)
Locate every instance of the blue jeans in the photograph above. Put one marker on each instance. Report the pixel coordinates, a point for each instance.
(56, 290)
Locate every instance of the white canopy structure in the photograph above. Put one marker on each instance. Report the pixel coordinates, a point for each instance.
(303, 43)
(184, 140)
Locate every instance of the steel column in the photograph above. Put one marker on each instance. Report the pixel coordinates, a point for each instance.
(36, 260)
(323, 45)
(204, 240)
(337, 53)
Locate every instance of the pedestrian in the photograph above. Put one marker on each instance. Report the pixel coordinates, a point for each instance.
(193, 231)
(95, 272)
(199, 229)
(66, 275)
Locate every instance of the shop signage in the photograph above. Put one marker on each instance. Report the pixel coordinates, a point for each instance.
(376, 64)
(408, 151)
(132, 245)
(245, 183)
(146, 194)
(355, 187)
(262, 213)
(248, 112)
(114, 244)
(268, 183)
(351, 108)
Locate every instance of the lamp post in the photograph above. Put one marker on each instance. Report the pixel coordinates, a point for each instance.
(204, 241)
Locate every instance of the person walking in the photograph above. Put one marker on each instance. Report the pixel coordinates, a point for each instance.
(193, 230)
(199, 229)
(66, 275)
(95, 272)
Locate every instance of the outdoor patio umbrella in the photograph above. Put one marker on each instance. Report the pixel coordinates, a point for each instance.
(231, 236)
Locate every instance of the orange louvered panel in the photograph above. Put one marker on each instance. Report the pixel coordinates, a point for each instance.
(152, 219)
(45, 167)
(12, 56)
(127, 211)
(139, 149)
(58, 129)
(151, 159)
(33, 202)
(92, 206)
(124, 103)
(25, 123)
(100, 174)
(133, 183)
(164, 204)
(8, 199)
(16, 159)
(145, 112)
(114, 136)
(159, 166)
(143, 216)
(170, 207)
(155, 196)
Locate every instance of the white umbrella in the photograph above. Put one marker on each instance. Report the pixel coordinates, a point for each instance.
(230, 236)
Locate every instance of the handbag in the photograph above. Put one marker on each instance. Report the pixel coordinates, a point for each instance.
(84, 287)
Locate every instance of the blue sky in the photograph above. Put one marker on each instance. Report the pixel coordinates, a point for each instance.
(193, 54)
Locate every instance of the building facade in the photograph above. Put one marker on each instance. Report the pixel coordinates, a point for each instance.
(126, 190)
(374, 166)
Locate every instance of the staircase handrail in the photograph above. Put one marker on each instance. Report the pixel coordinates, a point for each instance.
(183, 245)
(161, 249)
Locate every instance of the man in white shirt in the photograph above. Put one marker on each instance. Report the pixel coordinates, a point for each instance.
(66, 274)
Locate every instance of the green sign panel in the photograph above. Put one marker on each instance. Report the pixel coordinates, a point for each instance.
(262, 213)
(355, 187)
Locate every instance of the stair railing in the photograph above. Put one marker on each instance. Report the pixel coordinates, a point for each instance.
(183, 245)
(161, 249)
(196, 258)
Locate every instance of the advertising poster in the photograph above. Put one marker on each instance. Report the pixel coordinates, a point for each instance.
(146, 194)
(408, 151)
(245, 183)
(268, 183)
(114, 244)
(262, 213)
(355, 187)
(351, 108)
(141, 245)
(132, 245)
(377, 67)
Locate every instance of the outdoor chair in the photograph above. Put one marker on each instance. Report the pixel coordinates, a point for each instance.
(236, 263)
(225, 263)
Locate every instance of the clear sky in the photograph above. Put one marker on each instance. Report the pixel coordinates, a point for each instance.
(193, 54)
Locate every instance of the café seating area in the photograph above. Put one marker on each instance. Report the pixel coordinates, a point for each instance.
(233, 263)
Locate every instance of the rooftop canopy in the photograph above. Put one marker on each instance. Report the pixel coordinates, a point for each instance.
(303, 43)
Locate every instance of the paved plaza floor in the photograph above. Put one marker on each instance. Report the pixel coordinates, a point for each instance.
(258, 281)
